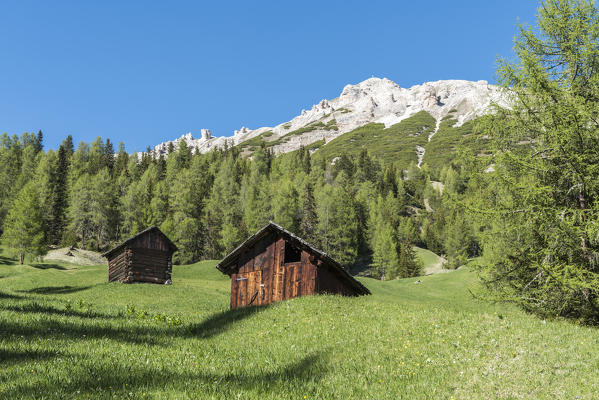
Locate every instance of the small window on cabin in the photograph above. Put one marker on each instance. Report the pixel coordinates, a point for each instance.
(292, 254)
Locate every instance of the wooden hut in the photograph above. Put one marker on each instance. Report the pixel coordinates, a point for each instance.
(146, 257)
(274, 265)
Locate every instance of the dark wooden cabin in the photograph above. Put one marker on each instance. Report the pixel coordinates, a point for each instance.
(274, 265)
(146, 257)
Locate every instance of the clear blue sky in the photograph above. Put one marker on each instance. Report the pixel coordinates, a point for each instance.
(144, 72)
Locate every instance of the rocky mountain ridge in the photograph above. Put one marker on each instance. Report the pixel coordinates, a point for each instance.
(373, 100)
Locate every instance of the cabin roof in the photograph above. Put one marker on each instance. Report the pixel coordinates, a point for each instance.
(170, 244)
(227, 264)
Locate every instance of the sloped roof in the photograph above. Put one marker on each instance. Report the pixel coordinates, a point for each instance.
(171, 245)
(227, 264)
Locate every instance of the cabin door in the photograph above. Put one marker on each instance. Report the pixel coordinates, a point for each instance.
(250, 288)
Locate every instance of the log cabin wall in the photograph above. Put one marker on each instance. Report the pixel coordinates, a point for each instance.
(274, 265)
(146, 257)
(118, 266)
(150, 265)
(152, 240)
(268, 272)
(140, 265)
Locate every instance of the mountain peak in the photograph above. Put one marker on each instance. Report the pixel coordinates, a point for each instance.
(372, 100)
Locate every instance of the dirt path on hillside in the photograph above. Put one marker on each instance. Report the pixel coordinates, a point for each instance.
(437, 268)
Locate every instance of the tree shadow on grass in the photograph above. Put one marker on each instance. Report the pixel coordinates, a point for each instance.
(220, 322)
(92, 324)
(80, 330)
(36, 308)
(11, 296)
(56, 289)
(10, 357)
(48, 266)
(87, 376)
(7, 261)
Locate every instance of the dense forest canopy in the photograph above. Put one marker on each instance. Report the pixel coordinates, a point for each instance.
(365, 212)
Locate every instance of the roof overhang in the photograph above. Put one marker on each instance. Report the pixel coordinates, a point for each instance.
(171, 245)
(228, 264)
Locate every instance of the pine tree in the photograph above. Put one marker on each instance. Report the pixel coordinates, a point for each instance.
(39, 142)
(223, 219)
(409, 264)
(407, 231)
(343, 163)
(255, 193)
(10, 169)
(161, 165)
(24, 225)
(285, 205)
(91, 210)
(382, 227)
(96, 156)
(338, 225)
(29, 161)
(133, 169)
(59, 196)
(542, 246)
(184, 225)
(146, 160)
(304, 159)
(183, 154)
(308, 219)
(384, 247)
(457, 243)
(136, 204)
(68, 145)
(122, 160)
(433, 231)
(366, 168)
(388, 183)
(109, 156)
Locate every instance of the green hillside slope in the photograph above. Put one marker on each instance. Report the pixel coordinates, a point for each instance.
(431, 262)
(396, 143)
(66, 333)
(442, 148)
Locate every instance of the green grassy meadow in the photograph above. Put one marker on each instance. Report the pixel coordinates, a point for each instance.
(431, 263)
(67, 333)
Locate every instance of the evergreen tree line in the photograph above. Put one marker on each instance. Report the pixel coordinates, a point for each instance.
(365, 214)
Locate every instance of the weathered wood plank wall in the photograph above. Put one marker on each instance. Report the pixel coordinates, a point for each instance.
(263, 276)
(140, 265)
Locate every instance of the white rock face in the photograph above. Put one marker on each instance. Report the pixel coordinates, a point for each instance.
(373, 100)
(204, 144)
(206, 134)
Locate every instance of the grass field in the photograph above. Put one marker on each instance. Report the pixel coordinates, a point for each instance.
(431, 263)
(66, 333)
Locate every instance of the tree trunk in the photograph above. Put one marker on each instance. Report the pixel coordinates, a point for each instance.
(21, 258)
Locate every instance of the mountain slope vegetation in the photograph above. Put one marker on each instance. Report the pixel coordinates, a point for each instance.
(396, 143)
